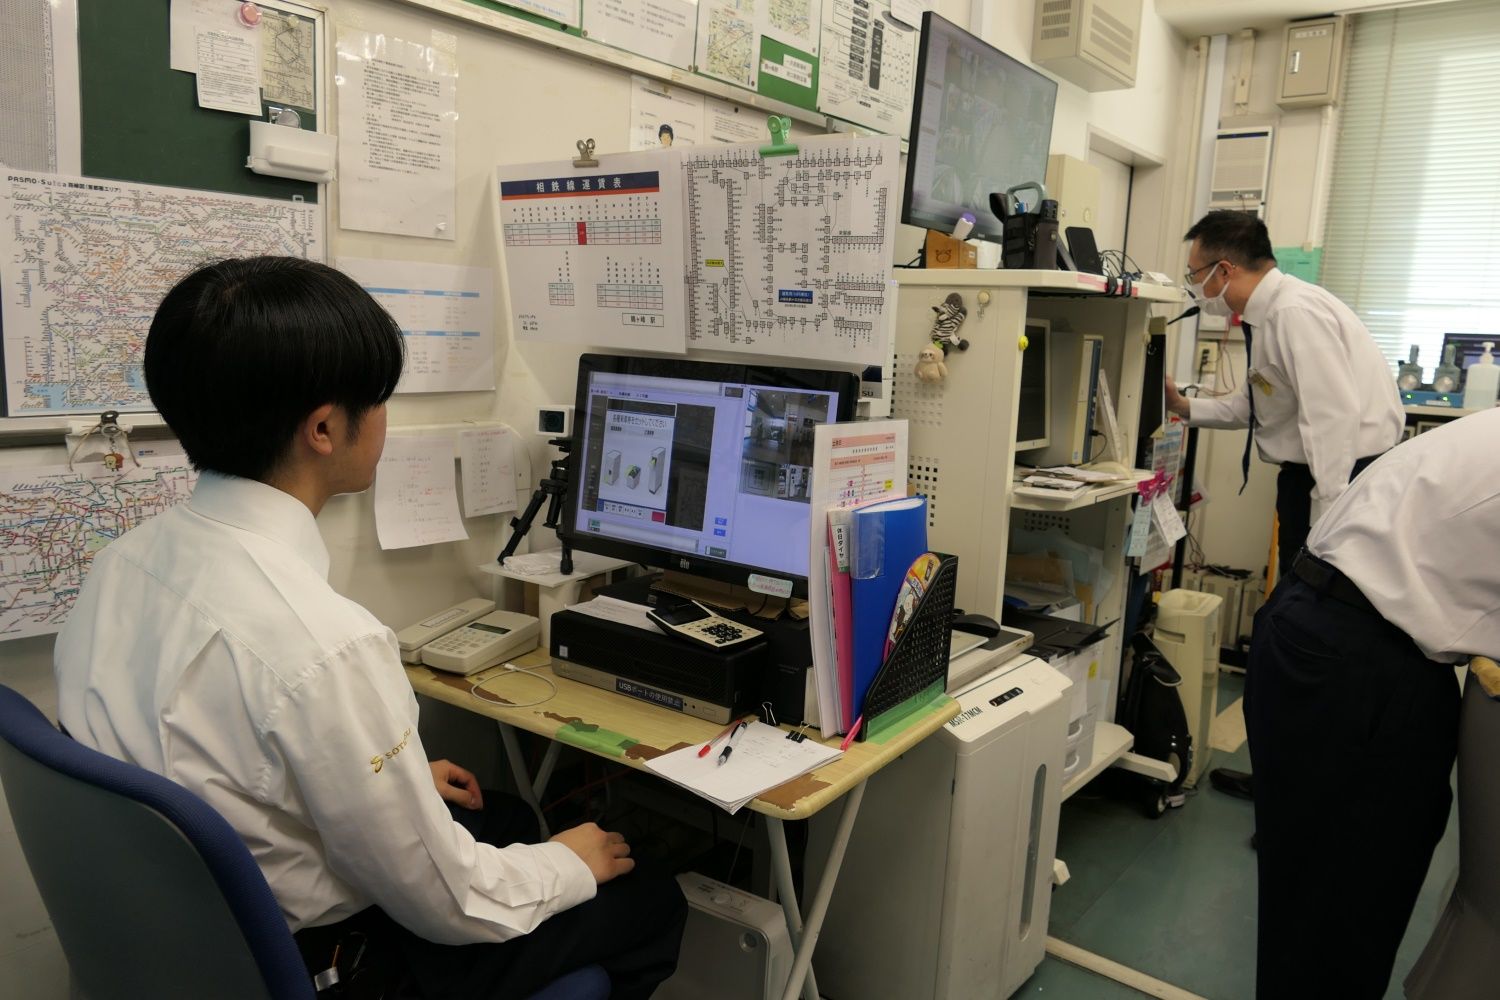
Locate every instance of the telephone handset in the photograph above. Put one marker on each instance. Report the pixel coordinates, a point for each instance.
(468, 637)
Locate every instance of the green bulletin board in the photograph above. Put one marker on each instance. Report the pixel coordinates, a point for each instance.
(135, 108)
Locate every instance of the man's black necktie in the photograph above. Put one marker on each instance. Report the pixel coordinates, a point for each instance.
(1249, 388)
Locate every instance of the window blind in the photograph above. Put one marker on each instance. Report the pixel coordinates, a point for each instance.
(1412, 241)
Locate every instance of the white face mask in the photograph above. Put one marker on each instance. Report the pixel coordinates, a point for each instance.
(1215, 306)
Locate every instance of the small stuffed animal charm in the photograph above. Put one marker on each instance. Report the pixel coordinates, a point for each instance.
(930, 366)
(950, 316)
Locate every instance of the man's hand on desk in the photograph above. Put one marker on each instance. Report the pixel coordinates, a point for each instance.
(1176, 401)
(606, 854)
(456, 785)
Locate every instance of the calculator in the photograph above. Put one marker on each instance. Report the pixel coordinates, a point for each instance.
(694, 622)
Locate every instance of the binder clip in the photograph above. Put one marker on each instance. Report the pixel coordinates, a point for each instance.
(585, 157)
(779, 125)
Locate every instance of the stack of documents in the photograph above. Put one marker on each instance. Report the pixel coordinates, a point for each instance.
(763, 758)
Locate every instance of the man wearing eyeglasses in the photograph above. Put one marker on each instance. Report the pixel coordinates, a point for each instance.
(1319, 398)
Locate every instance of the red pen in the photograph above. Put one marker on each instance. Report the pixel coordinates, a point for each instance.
(853, 732)
(710, 744)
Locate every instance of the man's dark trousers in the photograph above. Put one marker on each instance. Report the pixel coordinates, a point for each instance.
(1353, 733)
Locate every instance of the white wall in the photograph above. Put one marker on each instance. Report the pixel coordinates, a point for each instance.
(519, 102)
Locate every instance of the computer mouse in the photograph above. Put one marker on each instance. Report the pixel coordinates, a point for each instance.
(976, 625)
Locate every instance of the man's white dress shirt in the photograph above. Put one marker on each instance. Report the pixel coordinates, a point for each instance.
(1324, 394)
(207, 646)
(1418, 532)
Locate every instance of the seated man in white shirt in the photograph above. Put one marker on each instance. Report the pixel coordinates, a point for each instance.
(1352, 708)
(208, 646)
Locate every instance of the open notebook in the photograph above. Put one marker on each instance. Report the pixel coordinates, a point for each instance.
(763, 758)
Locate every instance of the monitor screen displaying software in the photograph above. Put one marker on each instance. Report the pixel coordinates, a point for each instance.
(716, 469)
(981, 123)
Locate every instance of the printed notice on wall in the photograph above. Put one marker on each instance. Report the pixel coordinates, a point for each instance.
(594, 256)
(487, 463)
(416, 501)
(398, 118)
(662, 114)
(869, 65)
(446, 315)
(228, 72)
(663, 30)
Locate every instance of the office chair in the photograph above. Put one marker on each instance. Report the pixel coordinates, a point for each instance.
(151, 892)
(1462, 958)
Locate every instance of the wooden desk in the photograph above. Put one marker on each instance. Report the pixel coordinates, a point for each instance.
(632, 732)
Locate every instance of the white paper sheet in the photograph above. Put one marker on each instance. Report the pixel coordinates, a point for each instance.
(228, 72)
(564, 11)
(853, 464)
(654, 104)
(868, 65)
(39, 86)
(190, 17)
(594, 256)
(84, 262)
(415, 499)
(446, 315)
(663, 30)
(487, 463)
(615, 610)
(724, 122)
(398, 122)
(762, 758)
(790, 255)
(1168, 521)
(729, 40)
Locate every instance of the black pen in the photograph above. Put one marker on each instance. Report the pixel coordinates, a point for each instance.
(729, 746)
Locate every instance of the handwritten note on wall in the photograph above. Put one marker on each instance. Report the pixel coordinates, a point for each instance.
(416, 501)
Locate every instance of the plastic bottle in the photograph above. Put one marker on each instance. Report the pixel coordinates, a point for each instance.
(1483, 385)
(1445, 378)
(1409, 375)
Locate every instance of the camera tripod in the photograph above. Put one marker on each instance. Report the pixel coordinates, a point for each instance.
(550, 491)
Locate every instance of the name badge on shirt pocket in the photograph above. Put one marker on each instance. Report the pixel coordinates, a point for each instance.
(1260, 382)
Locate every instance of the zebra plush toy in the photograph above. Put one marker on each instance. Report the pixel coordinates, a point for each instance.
(950, 316)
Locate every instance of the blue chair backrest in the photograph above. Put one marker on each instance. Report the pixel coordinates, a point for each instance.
(151, 892)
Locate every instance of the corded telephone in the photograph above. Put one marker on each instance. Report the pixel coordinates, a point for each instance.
(468, 637)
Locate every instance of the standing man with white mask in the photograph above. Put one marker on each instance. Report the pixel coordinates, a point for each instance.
(1319, 398)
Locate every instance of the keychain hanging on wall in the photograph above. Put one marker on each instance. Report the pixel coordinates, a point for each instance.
(116, 442)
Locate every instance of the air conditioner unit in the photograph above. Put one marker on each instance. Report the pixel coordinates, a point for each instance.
(1093, 43)
(1242, 169)
(735, 946)
(1187, 633)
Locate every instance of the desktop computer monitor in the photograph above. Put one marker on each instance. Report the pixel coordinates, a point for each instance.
(698, 466)
(1034, 412)
(981, 123)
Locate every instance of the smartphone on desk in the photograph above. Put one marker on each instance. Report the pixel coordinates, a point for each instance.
(468, 637)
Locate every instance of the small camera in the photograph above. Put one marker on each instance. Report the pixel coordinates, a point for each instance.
(554, 421)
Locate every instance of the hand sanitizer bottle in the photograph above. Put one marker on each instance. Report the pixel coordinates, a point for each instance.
(1484, 381)
(1409, 375)
(1445, 377)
